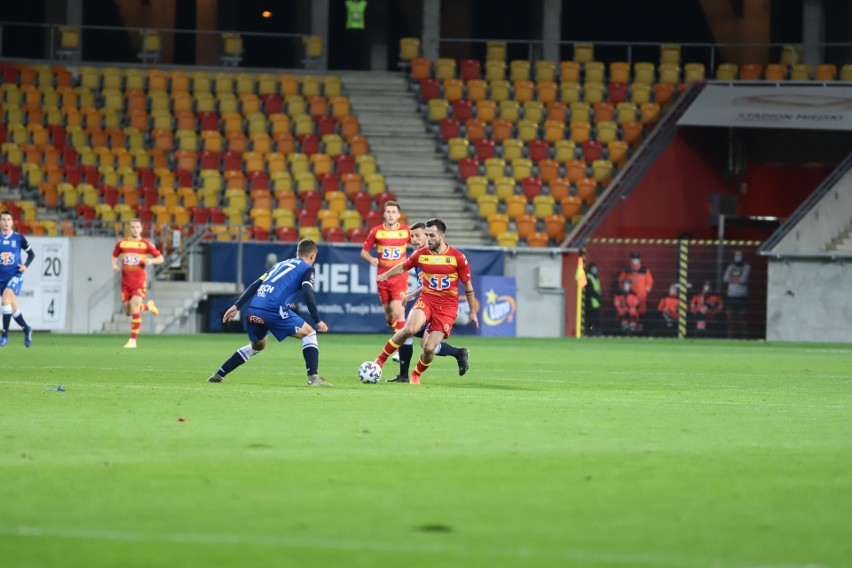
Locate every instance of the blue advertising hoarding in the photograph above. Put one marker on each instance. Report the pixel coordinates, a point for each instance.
(345, 284)
(498, 301)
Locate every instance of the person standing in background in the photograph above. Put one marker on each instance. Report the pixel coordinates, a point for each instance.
(736, 300)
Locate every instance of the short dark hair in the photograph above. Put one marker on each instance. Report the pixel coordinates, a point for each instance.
(392, 204)
(438, 224)
(7, 212)
(306, 247)
(417, 226)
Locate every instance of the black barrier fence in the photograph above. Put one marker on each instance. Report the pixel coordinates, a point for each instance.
(682, 288)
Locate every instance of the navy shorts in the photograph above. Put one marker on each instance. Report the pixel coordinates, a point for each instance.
(15, 283)
(282, 324)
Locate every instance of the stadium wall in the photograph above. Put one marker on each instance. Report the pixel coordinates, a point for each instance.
(93, 288)
(808, 300)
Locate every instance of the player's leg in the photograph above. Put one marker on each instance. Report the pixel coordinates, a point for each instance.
(406, 350)
(19, 317)
(310, 352)
(7, 296)
(416, 321)
(257, 334)
(430, 343)
(135, 306)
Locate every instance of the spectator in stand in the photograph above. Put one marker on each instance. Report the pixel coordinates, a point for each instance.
(704, 307)
(668, 308)
(641, 280)
(736, 300)
(627, 309)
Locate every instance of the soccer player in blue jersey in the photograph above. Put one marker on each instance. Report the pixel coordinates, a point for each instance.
(12, 276)
(269, 299)
(444, 349)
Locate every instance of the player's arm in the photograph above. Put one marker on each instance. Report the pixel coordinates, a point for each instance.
(395, 271)
(368, 246)
(116, 254)
(471, 301)
(156, 256)
(248, 294)
(25, 246)
(311, 301)
(365, 254)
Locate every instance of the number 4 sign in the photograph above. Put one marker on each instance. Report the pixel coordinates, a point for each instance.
(43, 295)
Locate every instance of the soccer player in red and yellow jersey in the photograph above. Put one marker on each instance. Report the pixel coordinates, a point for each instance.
(391, 239)
(442, 268)
(136, 253)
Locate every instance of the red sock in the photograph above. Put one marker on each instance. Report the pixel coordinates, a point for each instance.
(135, 324)
(398, 325)
(387, 351)
(421, 366)
(143, 308)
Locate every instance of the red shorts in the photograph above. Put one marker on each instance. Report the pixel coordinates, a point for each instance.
(133, 288)
(394, 289)
(439, 316)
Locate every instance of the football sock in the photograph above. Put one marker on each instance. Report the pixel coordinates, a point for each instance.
(143, 308)
(310, 351)
(19, 319)
(239, 357)
(135, 324)
(387, 351)
(7, 317)
(421, 366)
(406, 351)
(446, 350)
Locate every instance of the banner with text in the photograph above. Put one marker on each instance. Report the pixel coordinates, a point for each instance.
(44, 294)
(773, 106)
(345, 284)
(499, 301)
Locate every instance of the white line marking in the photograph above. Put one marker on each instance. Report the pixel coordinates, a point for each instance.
(396, 547)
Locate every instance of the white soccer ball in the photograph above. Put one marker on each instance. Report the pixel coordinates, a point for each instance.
(369, 372)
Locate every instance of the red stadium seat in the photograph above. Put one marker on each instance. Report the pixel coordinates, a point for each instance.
(287, 234)
(449, 128)
(373, 219)
(462, 109)
(307, 218)
(470, 69)
(357, 235)
(484, 149)
(531, 186)
(430, 89)
(592, 150)
(333, 235)
(538, 149)
(363, 203)
(468, 167)
(311, 201)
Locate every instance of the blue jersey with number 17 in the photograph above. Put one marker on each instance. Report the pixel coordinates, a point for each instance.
(282, 284)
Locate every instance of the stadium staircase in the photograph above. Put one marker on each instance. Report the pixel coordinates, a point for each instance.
(177, 302)
(407, 154)
(843, 242)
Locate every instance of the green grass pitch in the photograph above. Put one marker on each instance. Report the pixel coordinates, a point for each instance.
(548, 453)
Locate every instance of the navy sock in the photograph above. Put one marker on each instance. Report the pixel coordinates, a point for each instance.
(405, 354)
(19, 319)
(311, 355)
(7, 319)
(232, 363)
(447, 350)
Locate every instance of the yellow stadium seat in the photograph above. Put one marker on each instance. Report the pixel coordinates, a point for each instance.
(476, 186)
(504, 187)
(594, 72)
(445, 68)
(496, 50)
(693, 72)
(522, 168)
(584, 52)
(487, 205)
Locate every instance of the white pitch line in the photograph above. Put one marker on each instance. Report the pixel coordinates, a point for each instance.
(369, 391)
(375, 546)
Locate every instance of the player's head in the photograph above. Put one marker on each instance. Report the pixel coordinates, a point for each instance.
(418, 235)
(391, 213)
(307, 249)
(135, 228)
(6, 221)
(635, 259)
(435, 231)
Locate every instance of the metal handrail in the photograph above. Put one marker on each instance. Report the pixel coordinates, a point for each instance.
(631, 174)
(179, 253)
(827, 184)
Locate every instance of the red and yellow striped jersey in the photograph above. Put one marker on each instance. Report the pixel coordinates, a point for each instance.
(391, 245)
(133, 251)
(440, 274)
